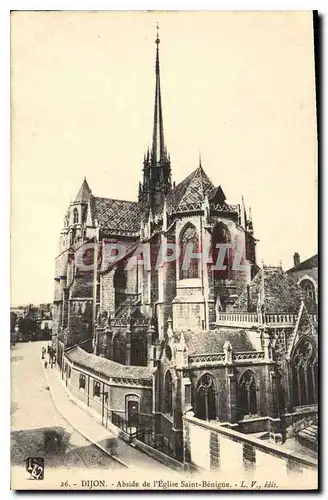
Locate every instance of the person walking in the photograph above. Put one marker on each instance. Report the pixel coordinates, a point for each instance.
(43, 352)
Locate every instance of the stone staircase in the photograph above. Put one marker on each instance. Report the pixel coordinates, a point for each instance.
(308, 437)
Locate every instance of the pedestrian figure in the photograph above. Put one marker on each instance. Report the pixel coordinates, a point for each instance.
(112, 445)
(52, 441)
(43, 352)
(45, 363)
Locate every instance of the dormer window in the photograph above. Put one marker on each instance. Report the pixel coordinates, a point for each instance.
(75, 216)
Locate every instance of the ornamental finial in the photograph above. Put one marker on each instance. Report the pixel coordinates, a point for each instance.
(157, 34)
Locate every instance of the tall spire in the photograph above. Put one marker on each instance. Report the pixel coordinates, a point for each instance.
(158, 146)
(157, 165)
(244, 213)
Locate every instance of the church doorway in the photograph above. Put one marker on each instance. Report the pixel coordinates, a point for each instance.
(132, 411)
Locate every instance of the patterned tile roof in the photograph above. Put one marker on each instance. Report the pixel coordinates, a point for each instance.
(107, 368)
(306, 264)
(191, 190)
(211, 341)
(281, 293)
(116, 215)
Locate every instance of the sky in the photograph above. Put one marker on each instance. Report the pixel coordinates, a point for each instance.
(239, 87)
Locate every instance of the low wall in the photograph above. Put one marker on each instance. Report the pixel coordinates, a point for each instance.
(209, 447)
(157, 455)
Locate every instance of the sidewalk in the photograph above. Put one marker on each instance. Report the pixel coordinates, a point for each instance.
(127, 455)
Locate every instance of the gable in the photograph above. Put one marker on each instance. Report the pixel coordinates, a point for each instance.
(303, 327)
(190, 191)
(306, 264)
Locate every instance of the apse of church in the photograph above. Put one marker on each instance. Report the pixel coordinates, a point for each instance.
(164, 297)
(190, 219)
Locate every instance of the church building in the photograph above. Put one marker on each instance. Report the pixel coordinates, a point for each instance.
(162, 316)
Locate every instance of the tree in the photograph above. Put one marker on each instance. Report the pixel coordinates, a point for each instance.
(13, 321)
(28, 328)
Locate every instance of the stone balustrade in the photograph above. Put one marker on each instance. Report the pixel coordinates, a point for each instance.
(255, 319)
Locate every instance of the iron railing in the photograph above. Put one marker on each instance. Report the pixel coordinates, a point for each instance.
(158, 442)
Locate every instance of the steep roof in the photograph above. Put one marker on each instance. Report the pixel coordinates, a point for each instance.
(191, 190)
(275, 289)
(107, 368)
(211, 341)
(306, 264)
(84, 192)
(116, 215)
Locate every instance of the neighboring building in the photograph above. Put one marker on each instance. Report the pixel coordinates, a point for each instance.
(33, 322)
(46, 329)
(306, 275)
(157, 350)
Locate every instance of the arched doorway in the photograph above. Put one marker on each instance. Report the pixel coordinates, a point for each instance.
(132, 410)
(305, 373)
(206, 398)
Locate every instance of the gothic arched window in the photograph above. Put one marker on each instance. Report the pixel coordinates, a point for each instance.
(168, 394)
(120, 283)
(305, 373)
(221, 253)
(75, 216)
(119, 347)
(247, 397)
(308, 289)
(189, 267)
(219, 247)
(206, 398)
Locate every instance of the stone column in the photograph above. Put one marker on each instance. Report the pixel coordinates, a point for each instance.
(150, 346)
(128, 346)
(275, 428)
(232, 391)
(177, 417)
(231, 384)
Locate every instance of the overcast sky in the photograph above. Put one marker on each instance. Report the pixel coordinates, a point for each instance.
(240, 87)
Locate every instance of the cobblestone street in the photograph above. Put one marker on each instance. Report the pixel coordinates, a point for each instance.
(34, 418)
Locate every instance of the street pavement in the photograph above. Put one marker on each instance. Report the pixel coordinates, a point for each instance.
(40, 403)
(37, 429)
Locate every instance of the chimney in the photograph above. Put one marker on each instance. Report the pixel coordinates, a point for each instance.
(296, 259)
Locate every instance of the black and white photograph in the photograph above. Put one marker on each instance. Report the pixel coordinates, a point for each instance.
(164, 250)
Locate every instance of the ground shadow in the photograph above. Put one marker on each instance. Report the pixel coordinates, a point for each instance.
(54, 445)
